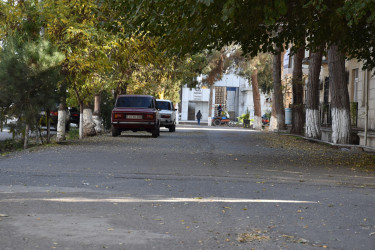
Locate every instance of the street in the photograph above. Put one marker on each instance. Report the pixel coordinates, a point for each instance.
(198, 188)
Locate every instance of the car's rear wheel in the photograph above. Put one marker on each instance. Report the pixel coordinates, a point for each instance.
(115, 132)
(172, 128)
(156, 131)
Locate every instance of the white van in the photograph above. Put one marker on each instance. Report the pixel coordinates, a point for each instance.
(167, 114)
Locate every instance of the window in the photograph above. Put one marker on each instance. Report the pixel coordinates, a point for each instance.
(164, 105)
(134, 102)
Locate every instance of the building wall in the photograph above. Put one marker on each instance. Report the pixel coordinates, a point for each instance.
(357, 92)
(238, 91)
(362, 83)
(200, 99)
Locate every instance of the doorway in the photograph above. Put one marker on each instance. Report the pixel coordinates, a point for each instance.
(191, 111)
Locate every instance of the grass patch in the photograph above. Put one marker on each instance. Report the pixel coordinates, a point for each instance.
(10, 145)
(73, 134)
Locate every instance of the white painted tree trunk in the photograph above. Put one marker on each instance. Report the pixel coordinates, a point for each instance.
(312, 124)
(61, 118)
(340, 126)
(340, 105)
(80, 129)
(98, 123)
(273, 118)
(312, 118)
(257, 123)
(273, 123)
(88, 123)
(96, 115)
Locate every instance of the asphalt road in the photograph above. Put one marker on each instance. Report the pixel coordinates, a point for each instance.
(197, 188)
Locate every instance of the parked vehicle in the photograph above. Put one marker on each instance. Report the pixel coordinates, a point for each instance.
(220, 120)
(265, 120)
(167, 114)
(74, 115)
(135, 113)
(54, 117)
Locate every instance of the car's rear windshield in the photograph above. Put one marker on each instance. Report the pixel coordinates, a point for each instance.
(134, 102)
(164, 105)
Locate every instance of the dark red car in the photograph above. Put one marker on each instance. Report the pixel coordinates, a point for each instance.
(135, 113)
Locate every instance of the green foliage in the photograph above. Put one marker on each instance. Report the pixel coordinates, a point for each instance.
(257, 25)
(106, 105)
(73, 134)
(245, 116)
(10, 145)
(29, 73)
(265, 75)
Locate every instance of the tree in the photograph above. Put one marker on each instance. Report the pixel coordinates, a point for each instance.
(298, 116)
(278, 112)
(29, 73)
(217, 63)
(340, 106)
(77, 29)
(251, 68)
(214, 72)
(312, 96)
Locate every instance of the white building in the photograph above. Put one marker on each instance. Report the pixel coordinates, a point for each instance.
(233, 92)
(362, 93)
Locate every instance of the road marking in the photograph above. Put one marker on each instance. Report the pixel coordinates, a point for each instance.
(167, 200)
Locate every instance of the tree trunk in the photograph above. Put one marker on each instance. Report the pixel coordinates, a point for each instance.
(273, 122)
(312, 96)
(88, 123)
(278, 119)
(61, 118)
(26, 140)
(256, 100)
(96, 115)
(210, 100)
(48, 115)
(60, 126)
(298, 118)
(340, 106)
(80, 128)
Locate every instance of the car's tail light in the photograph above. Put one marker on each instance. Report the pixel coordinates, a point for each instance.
(165, 116)
(53, 113)
(149, 117)
(75, 115)
(117, 116)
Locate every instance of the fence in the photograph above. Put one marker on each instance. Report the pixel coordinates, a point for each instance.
(326, 114)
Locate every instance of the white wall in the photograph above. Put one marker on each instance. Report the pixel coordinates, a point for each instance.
(201, 102)
(243, 98)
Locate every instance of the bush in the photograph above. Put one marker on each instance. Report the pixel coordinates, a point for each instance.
(245, 116)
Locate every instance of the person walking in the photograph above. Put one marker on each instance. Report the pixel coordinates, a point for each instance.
(199, 116)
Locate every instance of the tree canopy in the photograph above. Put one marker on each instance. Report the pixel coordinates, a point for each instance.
(256, 25)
